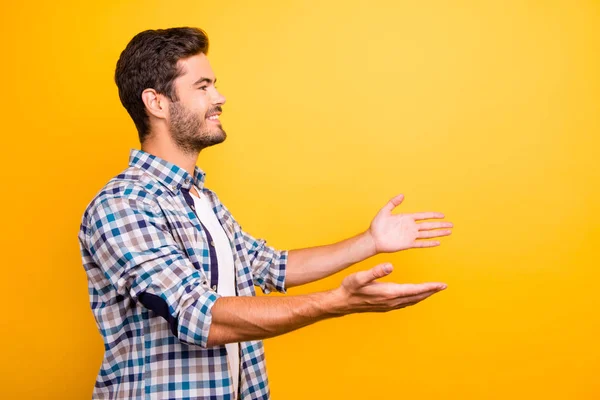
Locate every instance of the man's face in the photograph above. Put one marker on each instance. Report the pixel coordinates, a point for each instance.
(194, 118)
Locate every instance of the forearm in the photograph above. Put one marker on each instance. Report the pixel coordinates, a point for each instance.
(238, 319)
(311, 264)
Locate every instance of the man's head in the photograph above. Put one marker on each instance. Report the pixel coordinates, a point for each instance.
(165, 81)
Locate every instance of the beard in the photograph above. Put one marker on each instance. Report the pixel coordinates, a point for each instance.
(192, 133)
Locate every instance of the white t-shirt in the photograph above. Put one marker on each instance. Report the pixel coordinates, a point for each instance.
(226, 285)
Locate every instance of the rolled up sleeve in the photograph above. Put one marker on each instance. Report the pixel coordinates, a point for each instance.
(129, 241)
(268, 265)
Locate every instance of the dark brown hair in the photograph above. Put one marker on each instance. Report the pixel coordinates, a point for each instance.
(150, 61)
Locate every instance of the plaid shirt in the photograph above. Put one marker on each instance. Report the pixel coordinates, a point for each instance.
(148, 262)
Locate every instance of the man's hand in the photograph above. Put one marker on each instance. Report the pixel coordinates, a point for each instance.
(359, 292)
(389, 233)
(243, 318)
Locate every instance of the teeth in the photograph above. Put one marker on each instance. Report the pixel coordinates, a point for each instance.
(213, 117)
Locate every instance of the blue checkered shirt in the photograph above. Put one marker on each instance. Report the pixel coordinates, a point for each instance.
(148, 262)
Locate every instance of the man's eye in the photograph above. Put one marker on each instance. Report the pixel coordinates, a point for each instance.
(203, 87)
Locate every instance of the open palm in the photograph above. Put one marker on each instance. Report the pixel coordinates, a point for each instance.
(397, 232)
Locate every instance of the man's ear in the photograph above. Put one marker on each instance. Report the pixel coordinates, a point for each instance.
(156, 104)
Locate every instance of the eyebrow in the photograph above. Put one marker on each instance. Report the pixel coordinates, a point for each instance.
(203, 79)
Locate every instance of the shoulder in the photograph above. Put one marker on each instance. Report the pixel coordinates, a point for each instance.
(132, 189)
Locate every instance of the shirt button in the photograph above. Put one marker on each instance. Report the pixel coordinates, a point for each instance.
(187, 180)
(212, 243)
(174, 187)
(214, 288)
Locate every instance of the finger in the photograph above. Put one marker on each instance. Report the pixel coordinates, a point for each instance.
(407, 290)
(427, 215)
(417, 298)
(432, 234)
(425, 226)
(419, 244)
(379, 271)
(412, 300)
(393, 203)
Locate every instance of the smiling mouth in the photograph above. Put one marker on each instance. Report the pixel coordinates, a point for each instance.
(214, 116)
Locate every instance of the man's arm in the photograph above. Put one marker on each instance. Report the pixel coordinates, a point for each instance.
(314, 263)
(237, 319)
(387, 233)
(130, 243)
(128, 240)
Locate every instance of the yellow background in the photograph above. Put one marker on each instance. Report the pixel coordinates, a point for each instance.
(488, 111)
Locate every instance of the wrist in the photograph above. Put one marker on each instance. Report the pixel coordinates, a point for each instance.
(368, 244)
(336, 302)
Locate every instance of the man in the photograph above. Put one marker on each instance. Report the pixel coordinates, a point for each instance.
(171, 274)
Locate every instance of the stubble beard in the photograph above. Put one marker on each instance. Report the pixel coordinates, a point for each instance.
(190, 132)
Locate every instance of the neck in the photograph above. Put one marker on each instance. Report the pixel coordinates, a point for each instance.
(167, 150)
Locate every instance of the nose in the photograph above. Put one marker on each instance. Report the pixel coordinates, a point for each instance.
(219, 98)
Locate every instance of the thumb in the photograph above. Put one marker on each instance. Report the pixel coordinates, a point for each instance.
(365, 277)
(393, 203)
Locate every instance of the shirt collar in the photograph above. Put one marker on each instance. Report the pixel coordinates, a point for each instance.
(167, 173)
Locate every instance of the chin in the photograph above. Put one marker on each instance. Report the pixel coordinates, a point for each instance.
(220, 135)
(214, 138)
